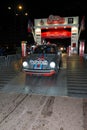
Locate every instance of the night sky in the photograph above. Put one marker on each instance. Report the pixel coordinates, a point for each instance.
(43, 9)
(35, 9)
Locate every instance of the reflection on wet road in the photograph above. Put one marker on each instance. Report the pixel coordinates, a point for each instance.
(52, 86)
(47, 85)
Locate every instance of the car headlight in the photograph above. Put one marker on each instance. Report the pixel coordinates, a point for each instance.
(52, 64)
(25, 64)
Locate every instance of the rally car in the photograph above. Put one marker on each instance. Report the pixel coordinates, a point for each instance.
(44, 61)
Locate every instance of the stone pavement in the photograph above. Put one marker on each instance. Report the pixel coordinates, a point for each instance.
(39, 112)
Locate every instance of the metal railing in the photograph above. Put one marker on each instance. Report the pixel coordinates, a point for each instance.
(85, 56)
(7, 60)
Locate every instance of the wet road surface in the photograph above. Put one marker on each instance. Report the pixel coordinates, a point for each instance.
(76, 76)
(70, 81)
(24, 106)
(52, 86)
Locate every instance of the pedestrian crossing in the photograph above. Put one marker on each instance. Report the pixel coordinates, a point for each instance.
(76, 76)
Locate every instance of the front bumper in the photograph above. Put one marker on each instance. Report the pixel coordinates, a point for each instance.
(40, 72)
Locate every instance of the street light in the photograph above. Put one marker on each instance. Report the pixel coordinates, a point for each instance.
(20, 7)
(9, 7)
(20, 17)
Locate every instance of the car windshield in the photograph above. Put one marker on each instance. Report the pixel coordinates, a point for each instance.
(45, 50)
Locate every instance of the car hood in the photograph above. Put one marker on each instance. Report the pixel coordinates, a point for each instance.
(48, 57)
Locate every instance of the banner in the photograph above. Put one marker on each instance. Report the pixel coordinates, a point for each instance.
(81, 48)
(83, 23)
(23, 46)
(30, 27)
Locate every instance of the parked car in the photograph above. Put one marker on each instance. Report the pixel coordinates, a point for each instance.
(45, 60)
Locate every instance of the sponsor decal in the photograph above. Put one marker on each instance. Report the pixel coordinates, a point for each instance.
(38, 66)
(40, 60)
(45, 62)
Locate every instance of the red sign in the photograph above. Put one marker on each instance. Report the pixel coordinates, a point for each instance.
(55, 20)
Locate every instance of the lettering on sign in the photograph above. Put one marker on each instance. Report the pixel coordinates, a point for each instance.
(55, 20)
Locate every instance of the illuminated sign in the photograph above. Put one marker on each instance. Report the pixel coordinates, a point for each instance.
(55, 20)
